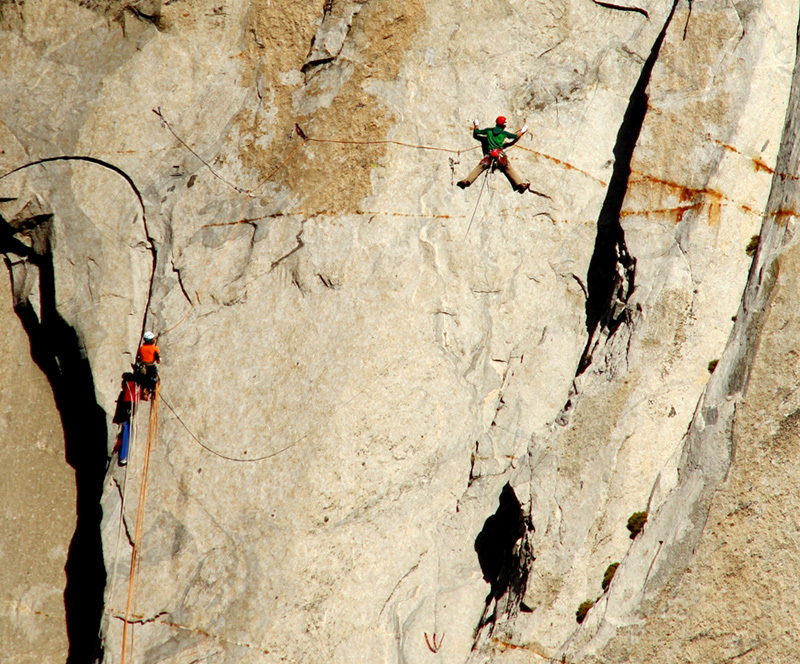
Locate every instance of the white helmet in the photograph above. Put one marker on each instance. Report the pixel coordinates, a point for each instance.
(149, 336)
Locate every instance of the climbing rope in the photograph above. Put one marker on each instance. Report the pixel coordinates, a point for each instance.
(389, 142)
(485, 176)
(220, 454)
(123, 491)
(152, 431)
(320, 422)
(166, 124)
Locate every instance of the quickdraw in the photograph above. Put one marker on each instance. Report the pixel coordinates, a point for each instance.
(495, 158)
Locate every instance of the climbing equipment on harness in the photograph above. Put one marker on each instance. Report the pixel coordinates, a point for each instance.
(498, 157)
(494, 140)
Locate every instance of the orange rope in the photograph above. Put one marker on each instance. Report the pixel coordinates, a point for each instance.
(152, 431)
(387, 142)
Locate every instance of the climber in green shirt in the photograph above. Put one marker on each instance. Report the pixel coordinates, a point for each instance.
(493, 142)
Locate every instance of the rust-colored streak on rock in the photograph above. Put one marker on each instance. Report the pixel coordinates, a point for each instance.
(758, 164)
(321, 213)
(689, 196)
(414, 215)
(685, 193)
(563, 164)
(761, 166)
(501, 645)
(677, 211)
(782, 215)
(727, 147)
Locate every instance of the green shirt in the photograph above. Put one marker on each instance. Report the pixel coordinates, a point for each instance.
(495, 136)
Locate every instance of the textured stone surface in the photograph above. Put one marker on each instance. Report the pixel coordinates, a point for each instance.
(361, 361)
(38, 515)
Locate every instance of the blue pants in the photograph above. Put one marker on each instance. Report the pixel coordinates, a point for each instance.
(126, 441)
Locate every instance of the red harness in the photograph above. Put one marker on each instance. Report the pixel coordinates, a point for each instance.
(496, 156)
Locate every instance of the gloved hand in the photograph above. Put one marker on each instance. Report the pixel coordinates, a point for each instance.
(475, 124)
(524, 129)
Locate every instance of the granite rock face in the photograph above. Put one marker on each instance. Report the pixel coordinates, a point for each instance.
(398, 420)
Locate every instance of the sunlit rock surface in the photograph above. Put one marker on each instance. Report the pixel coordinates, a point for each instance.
(399, 420)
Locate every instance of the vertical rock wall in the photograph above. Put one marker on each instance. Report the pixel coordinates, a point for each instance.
(38, 516)
(399, 421)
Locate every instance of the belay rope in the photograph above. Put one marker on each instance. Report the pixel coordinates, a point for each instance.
(485, 176)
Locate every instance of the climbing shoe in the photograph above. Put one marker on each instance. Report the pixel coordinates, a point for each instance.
(463, 184)
(522, 188)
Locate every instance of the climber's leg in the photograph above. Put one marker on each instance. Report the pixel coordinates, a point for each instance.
(517, 183)
(480, 168)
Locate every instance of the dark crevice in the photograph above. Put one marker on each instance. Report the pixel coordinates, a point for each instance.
(611, 275)
(324, 55)
(688, 17)
(59, 353)
(505, 557)
(300, 244)
(622, 8)
(177, 272)
(91, 160)
(316, 63)
(143, 621)
(127, 530)
(154, 19)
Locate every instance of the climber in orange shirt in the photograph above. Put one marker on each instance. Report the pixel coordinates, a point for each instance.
(147, 360)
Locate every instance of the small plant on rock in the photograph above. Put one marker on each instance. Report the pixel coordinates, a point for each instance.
(752, 246)
(583, 609)
(712, 365)
(611, 570)
(636, 523)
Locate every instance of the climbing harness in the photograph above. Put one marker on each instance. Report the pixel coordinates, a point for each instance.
(496, 158)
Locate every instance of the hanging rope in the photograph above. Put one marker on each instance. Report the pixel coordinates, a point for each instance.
(166, 124)
(152, 431)
(220, 454)
(320, 422)
(485, 175)
(388, 142)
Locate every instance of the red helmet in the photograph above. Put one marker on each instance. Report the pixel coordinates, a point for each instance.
(501, 120)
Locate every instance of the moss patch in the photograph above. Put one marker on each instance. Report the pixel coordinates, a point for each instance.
(636, 522)
(611, 570)
(583, 609)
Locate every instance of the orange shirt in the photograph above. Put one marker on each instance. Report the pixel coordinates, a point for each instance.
(148, 353)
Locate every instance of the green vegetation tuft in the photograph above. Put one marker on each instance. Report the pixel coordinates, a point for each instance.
(611, 570)
(712, 365)
(583, 609)
(636, 523)
(752, 246)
